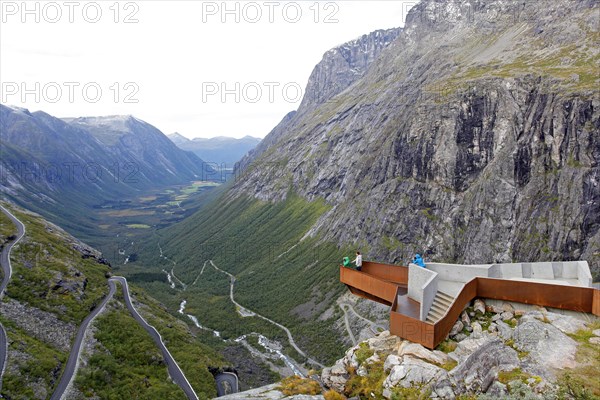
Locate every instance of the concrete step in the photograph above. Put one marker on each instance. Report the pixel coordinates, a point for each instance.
(436, 314)
(443, 302)
(434, 318)
(438, 308)
(444, 296)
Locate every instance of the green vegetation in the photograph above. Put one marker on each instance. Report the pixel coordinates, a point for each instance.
(7, 228)
(38, 365)
(295, 385)
(46, 256)
(516, 375)
(126, 363)
(363, 352)
(279, 275)
(447, 346)
(193, 357)
(138, 226)
(411, 393)
(582, 382)
(48, 274)
(333, 395)
(369, 386)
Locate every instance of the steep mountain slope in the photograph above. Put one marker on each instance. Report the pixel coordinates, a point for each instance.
(340, 67)
(473, 138)
(279, 272)
(56, 282)
(220, 151)
(62, 168)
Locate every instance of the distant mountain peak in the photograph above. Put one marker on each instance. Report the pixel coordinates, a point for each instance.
(345, 64)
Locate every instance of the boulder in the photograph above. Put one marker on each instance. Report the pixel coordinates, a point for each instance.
(596, 332)
(464, 318)
(565, 323)
(460, 337)
(335, 377)
(546, 344)
(498, 390)
(504, 330)
(465, 348)
(507, 315)
(457, 328)
(391, 361)
(478, 371)
(496, 317)
(595, 340)
(477, 330)
(415, 350)
(507, 307)
(479, 306)
(384, 342)
(414, 371)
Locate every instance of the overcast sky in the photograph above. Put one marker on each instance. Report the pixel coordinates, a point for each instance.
(183, 66)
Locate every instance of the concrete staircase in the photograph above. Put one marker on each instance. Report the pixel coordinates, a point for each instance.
(441, 303)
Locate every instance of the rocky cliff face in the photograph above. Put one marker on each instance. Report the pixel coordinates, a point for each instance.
(473, 137)
(340, 67)
(344, 65)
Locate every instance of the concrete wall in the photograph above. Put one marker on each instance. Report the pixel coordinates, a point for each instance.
(542, 270)
(459, 273)
(422, 287)
(429, 289)
(417, 277)
(569, 269)
(584, 276)
(511, 271)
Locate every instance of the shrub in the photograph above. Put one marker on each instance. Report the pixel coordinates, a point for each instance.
(333, 395)
(363, 352)
(293, 385)
(369, 386)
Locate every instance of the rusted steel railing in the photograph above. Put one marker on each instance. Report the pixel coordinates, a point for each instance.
(386, 283)
(391, 273)
(382, 290)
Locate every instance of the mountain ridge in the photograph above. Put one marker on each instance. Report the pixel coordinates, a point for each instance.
(221, 151)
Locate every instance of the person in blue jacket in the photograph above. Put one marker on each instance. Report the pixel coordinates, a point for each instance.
(418, 260)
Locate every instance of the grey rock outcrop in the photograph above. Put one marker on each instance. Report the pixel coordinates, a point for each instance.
(414, 372)
(40, 324)
(344, 65)
(479, 370)
(532, 352)
(546, 344)
(448, 146)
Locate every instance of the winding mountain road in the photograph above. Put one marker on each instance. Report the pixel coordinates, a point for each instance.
(7, 272)
(250, 312)
(372, 325)
(73, 360)
(347, 323)
(174, 371)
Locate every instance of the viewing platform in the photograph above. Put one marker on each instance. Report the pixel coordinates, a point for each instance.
(426, 302)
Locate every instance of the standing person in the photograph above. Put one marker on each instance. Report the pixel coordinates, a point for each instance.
(358, 261)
